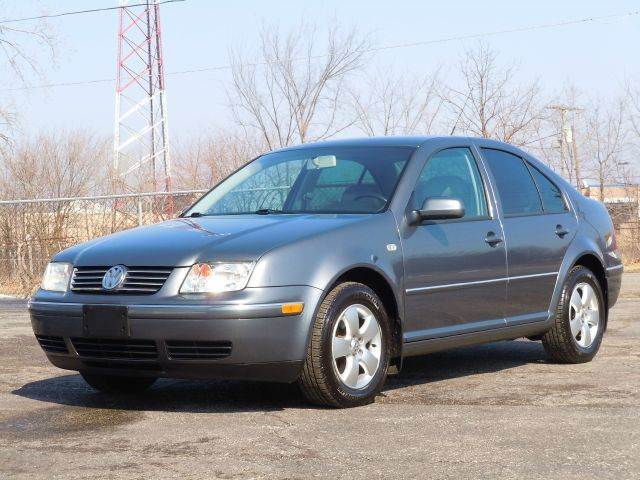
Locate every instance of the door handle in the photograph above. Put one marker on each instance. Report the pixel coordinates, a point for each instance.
(561, 231)
(492, 239)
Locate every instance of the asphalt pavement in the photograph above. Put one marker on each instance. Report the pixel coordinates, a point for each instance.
(500, 410)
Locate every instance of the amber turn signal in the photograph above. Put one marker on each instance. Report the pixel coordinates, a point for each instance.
(292, 308)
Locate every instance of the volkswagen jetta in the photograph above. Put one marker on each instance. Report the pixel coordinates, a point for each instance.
(326, 264)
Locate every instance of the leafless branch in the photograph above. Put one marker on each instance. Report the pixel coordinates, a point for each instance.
(488, 103)
(292, 93)
(394, 105)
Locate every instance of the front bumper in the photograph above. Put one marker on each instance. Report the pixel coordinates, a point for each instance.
(264, 343)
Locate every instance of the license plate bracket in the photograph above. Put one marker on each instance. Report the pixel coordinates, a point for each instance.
(105, 321)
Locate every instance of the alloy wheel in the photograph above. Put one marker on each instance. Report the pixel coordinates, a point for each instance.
(584, 314)
(356, 346)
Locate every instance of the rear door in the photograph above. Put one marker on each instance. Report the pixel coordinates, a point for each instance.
(538, 228)
(455, 270)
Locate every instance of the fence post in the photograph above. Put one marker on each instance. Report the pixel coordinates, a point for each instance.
(139, 210)
(29, 252)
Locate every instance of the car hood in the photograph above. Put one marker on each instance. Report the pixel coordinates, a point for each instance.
(184, 241)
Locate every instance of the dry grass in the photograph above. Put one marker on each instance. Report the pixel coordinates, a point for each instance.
(632, 267)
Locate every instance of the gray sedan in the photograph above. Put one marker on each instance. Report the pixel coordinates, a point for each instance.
(326, 264)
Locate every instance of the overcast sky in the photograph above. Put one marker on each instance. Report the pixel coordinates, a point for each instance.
(596, 56)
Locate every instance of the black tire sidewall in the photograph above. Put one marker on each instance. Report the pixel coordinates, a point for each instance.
(583, 275)
(355, 294)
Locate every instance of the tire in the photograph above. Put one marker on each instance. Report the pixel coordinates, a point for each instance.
(117, 384)
(320, 380)
(564, 344)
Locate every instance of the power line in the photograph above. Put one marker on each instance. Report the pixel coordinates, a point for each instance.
(513, 30)
(369, 50)
(440, 40)
(78, 12)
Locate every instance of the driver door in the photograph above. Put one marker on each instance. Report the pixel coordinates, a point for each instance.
(455, 270)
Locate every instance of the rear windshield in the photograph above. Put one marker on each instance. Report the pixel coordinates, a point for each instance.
(320, 180)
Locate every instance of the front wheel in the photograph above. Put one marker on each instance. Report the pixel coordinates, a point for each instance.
(578, 327)
(118, 384)
(348, 355)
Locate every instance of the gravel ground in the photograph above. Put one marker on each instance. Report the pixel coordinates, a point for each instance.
(496, 410)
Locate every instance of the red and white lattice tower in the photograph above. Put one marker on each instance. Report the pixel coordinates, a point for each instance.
(141, 143)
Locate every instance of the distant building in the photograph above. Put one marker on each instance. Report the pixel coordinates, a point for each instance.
(622, 200)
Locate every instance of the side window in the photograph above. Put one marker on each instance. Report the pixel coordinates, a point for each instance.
(453, 173)
(516, 189)
(552, 200)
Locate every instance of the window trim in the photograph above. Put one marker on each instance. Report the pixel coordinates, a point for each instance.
(530, 166)
(527, 166)
(485, 188)
(499, 198)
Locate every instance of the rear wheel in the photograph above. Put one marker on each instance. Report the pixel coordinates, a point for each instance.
(348, 356)
(117, 384)
(577, 331)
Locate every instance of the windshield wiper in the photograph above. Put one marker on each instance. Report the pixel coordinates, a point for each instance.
(195, 214)
(267, 211)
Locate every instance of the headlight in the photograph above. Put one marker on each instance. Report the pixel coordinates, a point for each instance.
(56, 277)
(217, 277)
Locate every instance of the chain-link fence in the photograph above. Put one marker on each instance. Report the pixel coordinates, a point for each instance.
(628, 237)
(32, 231)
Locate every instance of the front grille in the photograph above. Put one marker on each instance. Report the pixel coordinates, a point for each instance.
(197, 350)
(113, 348)
(52, 344)
(139, 280)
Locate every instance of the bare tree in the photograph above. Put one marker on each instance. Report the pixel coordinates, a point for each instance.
(54, 165)
(489, 103)
(206, 160)
(632, 93)
(49, 165)
(20, 47)
(607, 139)
(560, 145)
(394, 105)
(293, 91)
(633, 96)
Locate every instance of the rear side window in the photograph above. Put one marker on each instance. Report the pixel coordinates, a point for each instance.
(453, 173)
(516, 189)
(552, 200)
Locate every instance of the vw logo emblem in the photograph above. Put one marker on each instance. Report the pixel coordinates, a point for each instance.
(114, 277)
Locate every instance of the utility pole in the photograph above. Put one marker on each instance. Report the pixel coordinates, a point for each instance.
(141, 143)
(576, 159)
(568, 141)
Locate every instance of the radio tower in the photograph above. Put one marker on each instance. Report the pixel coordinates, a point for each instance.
(141, 143)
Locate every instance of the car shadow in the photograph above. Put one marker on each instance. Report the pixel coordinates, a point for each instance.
(216, 396)
(194, 396)
(467, 361)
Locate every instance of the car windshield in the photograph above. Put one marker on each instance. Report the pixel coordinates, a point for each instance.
(318, 180)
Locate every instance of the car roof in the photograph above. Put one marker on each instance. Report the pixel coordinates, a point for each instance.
(413, 141)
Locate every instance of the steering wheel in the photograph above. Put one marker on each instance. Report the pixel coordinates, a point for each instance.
(375, 196)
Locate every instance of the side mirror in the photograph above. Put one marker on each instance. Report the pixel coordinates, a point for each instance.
(438, 208)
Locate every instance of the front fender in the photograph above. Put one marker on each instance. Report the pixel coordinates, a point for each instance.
(319, 260)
